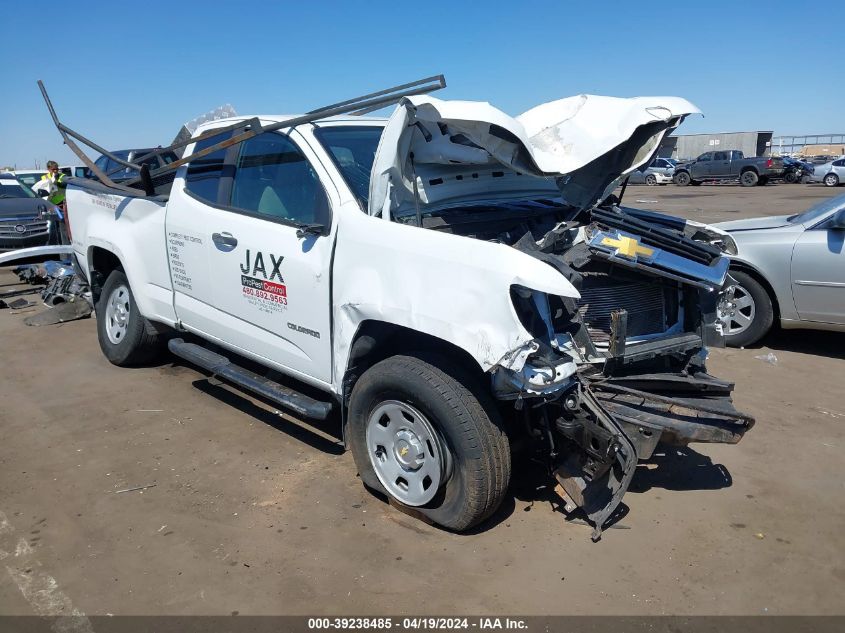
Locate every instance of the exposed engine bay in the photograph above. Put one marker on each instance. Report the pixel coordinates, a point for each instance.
(611, 374)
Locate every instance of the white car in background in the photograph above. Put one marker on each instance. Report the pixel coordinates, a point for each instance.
(659, 172)
(831, 174)
(28, 176)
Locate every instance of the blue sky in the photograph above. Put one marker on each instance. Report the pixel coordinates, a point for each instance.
(129, 77)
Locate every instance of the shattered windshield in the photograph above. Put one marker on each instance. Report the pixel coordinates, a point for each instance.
(353, 149)
(817, 211)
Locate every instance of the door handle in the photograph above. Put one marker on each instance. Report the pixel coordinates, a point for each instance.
(225, 242)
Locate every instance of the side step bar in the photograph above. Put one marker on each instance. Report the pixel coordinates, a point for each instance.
(224, 368)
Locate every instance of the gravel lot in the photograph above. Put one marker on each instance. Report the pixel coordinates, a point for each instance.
(256, 513)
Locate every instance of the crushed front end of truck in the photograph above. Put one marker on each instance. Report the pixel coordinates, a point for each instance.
(610, 375)
(614, 363)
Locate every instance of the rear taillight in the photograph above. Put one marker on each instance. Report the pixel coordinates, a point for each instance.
(769, 163)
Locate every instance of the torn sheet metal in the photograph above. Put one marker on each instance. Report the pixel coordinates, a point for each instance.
(581, 146)
(62, 313)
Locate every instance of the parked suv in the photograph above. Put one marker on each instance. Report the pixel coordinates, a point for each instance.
(25, 219)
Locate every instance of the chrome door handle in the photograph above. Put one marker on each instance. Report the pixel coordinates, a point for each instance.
(224, 241)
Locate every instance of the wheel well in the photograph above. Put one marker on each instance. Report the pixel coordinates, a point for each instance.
(748, 270)
(101, 263)
(749, 168)
(377, 340)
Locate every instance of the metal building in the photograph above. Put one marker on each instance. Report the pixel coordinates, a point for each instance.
(685, 146)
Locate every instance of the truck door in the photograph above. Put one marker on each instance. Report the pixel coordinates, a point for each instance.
(818, 274)
(720, 165)
(701, 167)
(265, 285)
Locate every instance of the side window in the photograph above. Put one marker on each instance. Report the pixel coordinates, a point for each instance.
(274, 179)
(839, 163)
(704, 157)
(720, 156)
(205, 173)
(736, 155)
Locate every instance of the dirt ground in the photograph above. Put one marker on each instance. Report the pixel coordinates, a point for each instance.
(256, 513)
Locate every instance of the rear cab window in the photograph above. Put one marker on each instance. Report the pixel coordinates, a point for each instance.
(206, 174)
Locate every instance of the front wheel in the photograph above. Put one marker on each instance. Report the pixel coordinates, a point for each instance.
(682, 179)
(831, 180)
(125, 336)
(790, 177)
(421, 434)
(749, 178)
(751, 313)
(651, 180)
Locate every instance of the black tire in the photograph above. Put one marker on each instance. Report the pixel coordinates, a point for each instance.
(651, 180)
(764, 180)
(763, 315)
(139, 342)
(682, 178)
(695, 183)
(464, 417)
(790, 177)
(749, 178)
(830, 180)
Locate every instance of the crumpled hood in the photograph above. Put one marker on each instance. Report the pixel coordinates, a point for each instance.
(754, 224)
(579, 147)
(22, 207)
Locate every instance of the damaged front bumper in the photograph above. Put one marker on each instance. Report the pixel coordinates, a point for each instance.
(599, 426)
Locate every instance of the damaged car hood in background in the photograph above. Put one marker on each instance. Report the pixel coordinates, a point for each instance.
(579, 147)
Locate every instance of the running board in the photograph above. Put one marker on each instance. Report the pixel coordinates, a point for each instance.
(222, 367)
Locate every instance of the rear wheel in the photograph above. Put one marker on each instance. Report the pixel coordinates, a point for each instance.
(831, 180)
(790, 177)
(749, 178)
(751, 313)
(125, 337)
(421, 434)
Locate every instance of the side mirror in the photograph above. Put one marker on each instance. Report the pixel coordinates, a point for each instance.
(838, 221)
(42, 193)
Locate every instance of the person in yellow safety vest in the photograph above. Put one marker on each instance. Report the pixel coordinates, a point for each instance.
(54, 182)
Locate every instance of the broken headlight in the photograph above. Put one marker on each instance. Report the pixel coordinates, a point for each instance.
(532, 309)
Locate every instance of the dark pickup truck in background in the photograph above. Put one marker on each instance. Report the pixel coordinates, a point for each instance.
(729, 165)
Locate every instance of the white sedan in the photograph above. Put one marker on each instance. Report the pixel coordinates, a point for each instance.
(831, 174)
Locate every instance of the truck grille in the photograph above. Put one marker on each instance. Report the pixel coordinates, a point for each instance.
(645, 303)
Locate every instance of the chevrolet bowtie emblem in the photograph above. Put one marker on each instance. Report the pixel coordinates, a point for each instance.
(627, 246)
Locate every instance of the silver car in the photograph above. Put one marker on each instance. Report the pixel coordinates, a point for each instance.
(659, 172)
(790, 269)
(831, 174)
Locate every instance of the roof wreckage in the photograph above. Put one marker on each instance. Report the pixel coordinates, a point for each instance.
(494, 244)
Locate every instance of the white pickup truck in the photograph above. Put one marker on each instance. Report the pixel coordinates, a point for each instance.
(452, 279)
